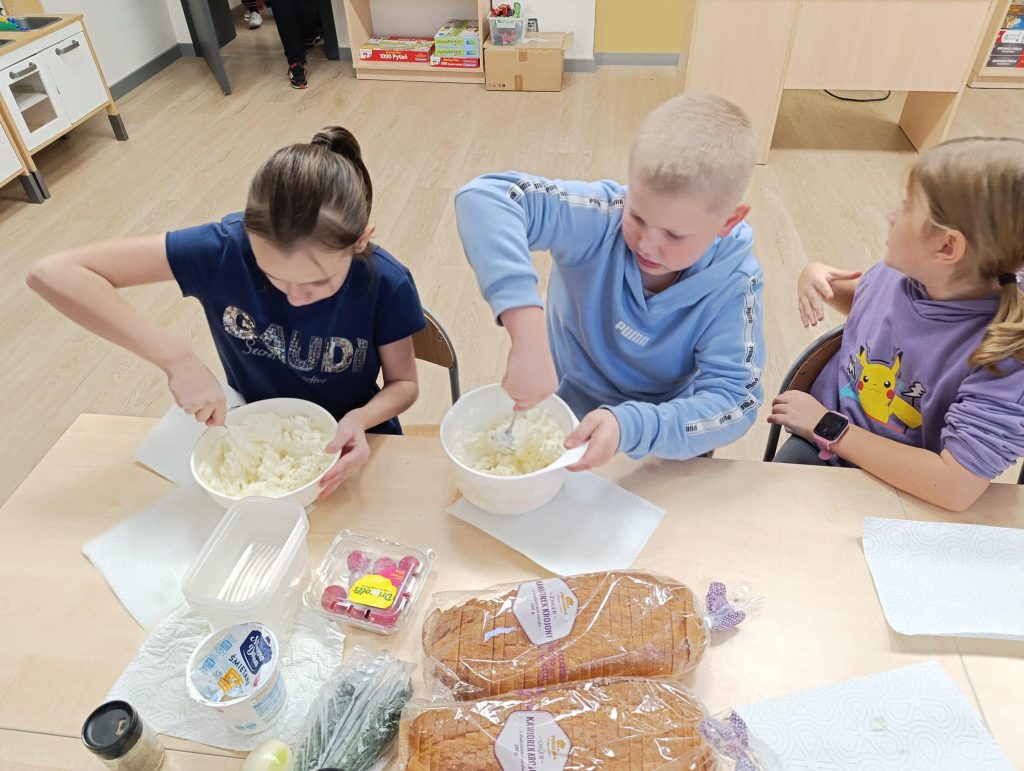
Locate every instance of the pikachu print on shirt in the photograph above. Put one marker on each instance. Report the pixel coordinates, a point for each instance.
(875, 385)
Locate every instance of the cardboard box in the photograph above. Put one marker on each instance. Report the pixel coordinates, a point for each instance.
(397, 49)
(536, 64)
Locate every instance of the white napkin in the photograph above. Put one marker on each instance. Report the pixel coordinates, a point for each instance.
(948, 579)
(909, 719)
(154, 681)
(590, 525)
(167, 448)
(144, 558)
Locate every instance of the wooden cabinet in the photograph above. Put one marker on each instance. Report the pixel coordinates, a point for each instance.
(77, 78)
(50, 82)
(11, 164)
(33, 101)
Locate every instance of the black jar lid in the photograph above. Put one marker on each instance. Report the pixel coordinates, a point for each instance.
(112, 730)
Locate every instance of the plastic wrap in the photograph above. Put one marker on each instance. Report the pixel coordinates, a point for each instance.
(355, 717)
(578, 628)
(616, 724)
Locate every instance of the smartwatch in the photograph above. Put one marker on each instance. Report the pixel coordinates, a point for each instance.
(830, 429)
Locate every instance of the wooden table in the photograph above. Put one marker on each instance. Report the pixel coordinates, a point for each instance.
(793, 533)
(749, 51)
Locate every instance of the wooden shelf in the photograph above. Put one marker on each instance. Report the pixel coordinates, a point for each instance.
(359, 20)
(422, 71)
(29, 99)
(983, 76)
(998, 77)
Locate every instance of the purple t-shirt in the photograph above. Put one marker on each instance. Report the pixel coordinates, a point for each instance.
(902, 373)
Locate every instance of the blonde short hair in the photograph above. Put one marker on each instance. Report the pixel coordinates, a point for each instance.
(698, 145)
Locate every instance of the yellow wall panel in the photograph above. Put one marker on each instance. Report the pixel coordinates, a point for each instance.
(639, 26)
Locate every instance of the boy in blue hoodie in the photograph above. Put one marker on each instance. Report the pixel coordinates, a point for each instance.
(653, 331)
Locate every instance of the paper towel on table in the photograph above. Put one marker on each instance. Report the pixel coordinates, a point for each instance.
(909, 719)
(144, 558)
(590, 525)
(154, 681)
(948, 579)
(167, 448)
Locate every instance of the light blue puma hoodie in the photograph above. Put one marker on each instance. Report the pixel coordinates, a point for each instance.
(681, 369)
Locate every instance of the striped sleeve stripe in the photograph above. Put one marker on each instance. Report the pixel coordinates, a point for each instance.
(751, 401)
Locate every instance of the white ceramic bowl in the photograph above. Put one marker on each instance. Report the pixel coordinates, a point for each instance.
(320, 417)
(501, 495)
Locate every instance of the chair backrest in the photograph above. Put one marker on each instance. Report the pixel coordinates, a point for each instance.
(433, 344)
(801, 377)
(812, 361)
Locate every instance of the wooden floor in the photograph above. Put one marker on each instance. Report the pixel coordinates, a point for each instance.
(835, 168)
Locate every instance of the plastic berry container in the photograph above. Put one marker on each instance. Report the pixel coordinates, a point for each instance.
(369, 582)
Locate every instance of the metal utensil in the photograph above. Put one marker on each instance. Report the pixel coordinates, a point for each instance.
(504, 440)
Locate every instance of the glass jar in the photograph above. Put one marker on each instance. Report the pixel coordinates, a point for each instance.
(121, 739)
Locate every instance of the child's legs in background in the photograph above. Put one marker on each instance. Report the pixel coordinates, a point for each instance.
(289, 27)
(250, 6)
(309, 18)
(799, 451)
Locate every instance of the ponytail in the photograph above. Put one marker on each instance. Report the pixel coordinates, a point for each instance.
(1005, 336)
(320, 191)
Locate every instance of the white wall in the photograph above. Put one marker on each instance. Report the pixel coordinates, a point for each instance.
(178, 22)
(575, 16)
(126, 33)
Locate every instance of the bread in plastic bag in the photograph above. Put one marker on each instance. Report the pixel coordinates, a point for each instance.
(354, 718)
(561, 630)
(616, 724)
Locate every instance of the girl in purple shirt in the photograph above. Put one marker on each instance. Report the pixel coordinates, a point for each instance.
(930, 374)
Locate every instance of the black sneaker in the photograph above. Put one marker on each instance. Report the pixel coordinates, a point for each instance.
(297, 75)
(317, 38)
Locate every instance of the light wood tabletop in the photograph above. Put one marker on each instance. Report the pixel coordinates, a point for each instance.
(793, 533)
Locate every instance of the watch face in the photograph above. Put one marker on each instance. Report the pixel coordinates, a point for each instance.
(831, 426)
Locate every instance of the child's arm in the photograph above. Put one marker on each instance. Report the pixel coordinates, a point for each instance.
(82, 284)
(819, 282)
(501, 219)
(401, 387)
(719, 407)
(933, 477)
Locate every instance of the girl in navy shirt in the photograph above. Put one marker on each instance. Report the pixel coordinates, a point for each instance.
(299, 301)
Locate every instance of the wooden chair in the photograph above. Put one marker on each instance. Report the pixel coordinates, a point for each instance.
(433, 345)
(801, 377)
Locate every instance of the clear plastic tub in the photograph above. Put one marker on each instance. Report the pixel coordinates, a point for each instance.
(507, 30)
(254, 566)
(371, 583)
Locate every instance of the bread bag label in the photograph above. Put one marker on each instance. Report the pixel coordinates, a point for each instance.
(545, 609)
(532, 741)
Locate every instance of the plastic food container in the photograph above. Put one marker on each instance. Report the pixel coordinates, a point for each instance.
(507, 30)
(236, 672)
(369, 582)
(254, 566)
(304, 495)
(501, 495)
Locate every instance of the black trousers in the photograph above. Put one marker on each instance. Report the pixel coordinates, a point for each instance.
(297, 21)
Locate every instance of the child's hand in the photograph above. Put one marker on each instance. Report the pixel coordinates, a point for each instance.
(600, 428)
(530, 376)
(797, 411)
(351, 440)
(814, 286)
(197, 391)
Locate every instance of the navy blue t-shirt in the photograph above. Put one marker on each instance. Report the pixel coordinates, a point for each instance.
(325, 352)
